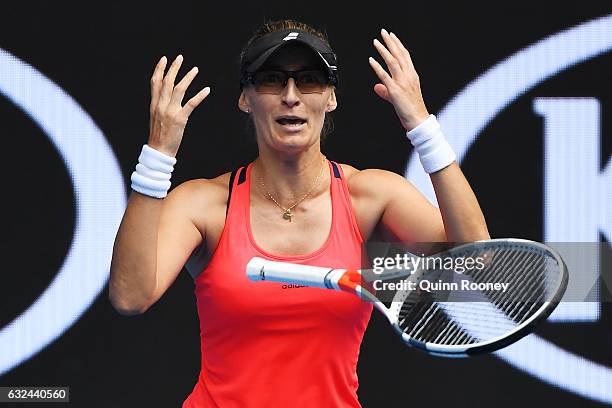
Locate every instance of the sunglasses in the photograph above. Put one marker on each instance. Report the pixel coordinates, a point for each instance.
(273, 81)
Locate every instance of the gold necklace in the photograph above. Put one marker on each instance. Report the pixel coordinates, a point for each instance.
(287, 214)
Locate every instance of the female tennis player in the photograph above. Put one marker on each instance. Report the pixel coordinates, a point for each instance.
(269, 344)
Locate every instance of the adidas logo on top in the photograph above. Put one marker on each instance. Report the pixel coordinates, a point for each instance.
(291, 36)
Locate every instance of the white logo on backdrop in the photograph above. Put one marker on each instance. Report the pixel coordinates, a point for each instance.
(469, 112)
(100, 197)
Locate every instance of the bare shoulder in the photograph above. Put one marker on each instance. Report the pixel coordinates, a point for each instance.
(200, 197)
(372, 182)
(202, 189)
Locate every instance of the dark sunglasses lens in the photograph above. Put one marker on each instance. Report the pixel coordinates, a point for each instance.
(311, 81)
(269, 81)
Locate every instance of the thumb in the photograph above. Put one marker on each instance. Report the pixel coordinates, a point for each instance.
(382, 91)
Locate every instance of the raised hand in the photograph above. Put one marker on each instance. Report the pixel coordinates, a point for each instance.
(401, 87)
(168, 117)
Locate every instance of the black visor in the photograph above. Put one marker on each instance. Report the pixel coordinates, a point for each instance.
(265, 46)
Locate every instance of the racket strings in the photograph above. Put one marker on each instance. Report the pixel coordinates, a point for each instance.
(520, 281)
(427, 322)
(480, 315)
(527, 295)
(526, 282)
(523, 297)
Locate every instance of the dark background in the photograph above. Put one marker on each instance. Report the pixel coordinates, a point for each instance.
(103, 54)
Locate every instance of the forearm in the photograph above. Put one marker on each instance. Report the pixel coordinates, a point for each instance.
(461, 215)
(134, 261)
(463, 219)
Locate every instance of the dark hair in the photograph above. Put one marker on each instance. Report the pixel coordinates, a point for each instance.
(270, 27)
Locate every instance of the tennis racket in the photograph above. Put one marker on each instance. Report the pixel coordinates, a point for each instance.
(440, 306)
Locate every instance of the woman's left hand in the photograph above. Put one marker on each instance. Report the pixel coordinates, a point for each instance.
(402, 87)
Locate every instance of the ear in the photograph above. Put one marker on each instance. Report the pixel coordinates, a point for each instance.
(332, 103)
(243, 104)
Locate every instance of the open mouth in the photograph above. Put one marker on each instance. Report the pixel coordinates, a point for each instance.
(291, 121)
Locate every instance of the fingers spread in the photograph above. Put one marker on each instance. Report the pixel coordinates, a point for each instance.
(156, 82)
(168, 83)
(403, 50)
(390, 60)
(394, 48)
(195, 101)
(179, 90)
(380, 72)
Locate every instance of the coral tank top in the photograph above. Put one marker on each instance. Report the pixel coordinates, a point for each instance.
(268, 344)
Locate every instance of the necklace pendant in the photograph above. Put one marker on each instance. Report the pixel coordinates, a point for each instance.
(287, 215)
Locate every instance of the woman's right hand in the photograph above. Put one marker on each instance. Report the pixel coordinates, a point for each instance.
(168, 117)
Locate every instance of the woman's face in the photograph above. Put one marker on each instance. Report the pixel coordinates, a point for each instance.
(266, 109)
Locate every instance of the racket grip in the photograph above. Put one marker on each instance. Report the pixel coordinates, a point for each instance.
(263, 269)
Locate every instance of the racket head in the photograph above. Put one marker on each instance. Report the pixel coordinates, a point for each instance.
(461, 323)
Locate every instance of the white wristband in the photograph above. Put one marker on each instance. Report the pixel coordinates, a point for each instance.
(429, 142)
(153, 172)
(156, 160)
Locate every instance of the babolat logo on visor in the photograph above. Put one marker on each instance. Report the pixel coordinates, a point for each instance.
(291, 36)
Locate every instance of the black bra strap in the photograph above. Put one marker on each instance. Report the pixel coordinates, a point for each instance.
(242, 175)
(231, 185)
(335, 168)
(241, 178)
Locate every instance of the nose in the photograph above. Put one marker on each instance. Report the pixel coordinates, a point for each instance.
(289, 93)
